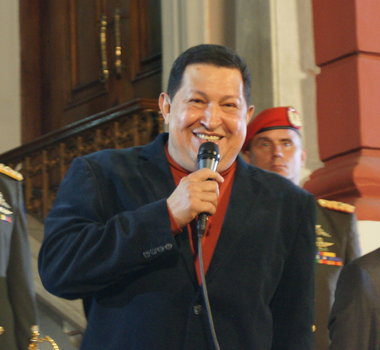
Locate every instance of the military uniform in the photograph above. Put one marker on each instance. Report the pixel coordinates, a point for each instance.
(337, 244)
(17, 298)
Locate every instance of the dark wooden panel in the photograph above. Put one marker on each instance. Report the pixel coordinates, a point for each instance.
(30, 42)
(62, 57)
(84, 31)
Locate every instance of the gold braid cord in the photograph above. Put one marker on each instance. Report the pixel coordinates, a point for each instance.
(33, 345)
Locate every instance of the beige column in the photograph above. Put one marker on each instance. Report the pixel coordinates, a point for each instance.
(10, 114)
(187, 23)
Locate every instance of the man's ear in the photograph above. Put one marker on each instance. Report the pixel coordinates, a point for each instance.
(164, 104)
(245, 155)
(250, 111)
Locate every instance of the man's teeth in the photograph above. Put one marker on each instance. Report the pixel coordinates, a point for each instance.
(209, 137)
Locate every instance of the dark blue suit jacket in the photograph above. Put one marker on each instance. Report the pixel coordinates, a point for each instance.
(108, 241)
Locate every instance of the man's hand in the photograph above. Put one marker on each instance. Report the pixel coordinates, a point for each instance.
(197, 193)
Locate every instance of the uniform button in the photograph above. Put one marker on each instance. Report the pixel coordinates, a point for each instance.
(153, 251)
(197, 309)
(160, 249)
(146, 255)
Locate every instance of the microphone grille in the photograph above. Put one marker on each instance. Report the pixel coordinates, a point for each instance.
(208, 150)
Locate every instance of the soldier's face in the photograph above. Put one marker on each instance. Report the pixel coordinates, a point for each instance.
(280, 151)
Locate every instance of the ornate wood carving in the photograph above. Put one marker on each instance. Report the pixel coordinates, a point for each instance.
(44, 161)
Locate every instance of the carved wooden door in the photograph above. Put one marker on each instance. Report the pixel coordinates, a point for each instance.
(92, 55)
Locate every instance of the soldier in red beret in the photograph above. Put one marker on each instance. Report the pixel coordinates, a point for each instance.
(273, 142)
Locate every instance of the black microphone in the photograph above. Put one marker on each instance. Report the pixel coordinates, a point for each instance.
(208, 157)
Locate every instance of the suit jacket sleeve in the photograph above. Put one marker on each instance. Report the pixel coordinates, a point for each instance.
(354, 322)
(100, 231)
(292, 306)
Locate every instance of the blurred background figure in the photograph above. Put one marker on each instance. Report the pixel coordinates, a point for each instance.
(355, 317)
(274, 143)
(17, 297)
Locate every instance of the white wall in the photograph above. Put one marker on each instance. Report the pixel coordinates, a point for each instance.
(10, 127)
(294, 68)
(369, 235)
(188, 23)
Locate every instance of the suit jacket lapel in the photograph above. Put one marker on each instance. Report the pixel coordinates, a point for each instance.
(234, 226)
(155, 171)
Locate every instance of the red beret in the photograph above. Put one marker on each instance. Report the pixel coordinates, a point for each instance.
(272, 118)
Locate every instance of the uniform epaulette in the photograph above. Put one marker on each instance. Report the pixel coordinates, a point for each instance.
(334, 205)
(10, 172)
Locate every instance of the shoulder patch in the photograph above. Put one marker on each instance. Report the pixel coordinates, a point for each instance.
(338, 206)
(10, 172)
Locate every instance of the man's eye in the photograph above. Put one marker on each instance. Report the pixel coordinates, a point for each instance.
(196, 100)
(230, 106)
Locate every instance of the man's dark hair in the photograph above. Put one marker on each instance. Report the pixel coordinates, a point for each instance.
(216, 55)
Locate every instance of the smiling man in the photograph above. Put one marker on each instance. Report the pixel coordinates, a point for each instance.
(126, 242)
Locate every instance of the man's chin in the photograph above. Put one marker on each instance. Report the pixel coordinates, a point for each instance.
(280, 171)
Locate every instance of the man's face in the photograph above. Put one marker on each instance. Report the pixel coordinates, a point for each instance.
(278, 150)
(209, 106)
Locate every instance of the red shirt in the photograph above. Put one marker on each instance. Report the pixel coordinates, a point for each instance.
(214, 223)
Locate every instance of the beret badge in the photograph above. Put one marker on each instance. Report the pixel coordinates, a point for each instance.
(294, 118)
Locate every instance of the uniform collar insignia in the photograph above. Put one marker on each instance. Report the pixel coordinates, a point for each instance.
(319, 231)
(5, 208)
(321, 235)
(325, 256)
(3, 202)
(338, 206)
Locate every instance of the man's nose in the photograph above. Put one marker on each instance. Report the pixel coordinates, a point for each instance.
(212, 117)
(277, 151)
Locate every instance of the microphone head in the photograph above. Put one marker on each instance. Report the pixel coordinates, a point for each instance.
(208, 156)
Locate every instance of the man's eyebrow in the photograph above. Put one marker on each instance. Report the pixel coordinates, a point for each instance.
(203, 94)
(286, 139)
(226, 97)
(223, 98)
(266, 138)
